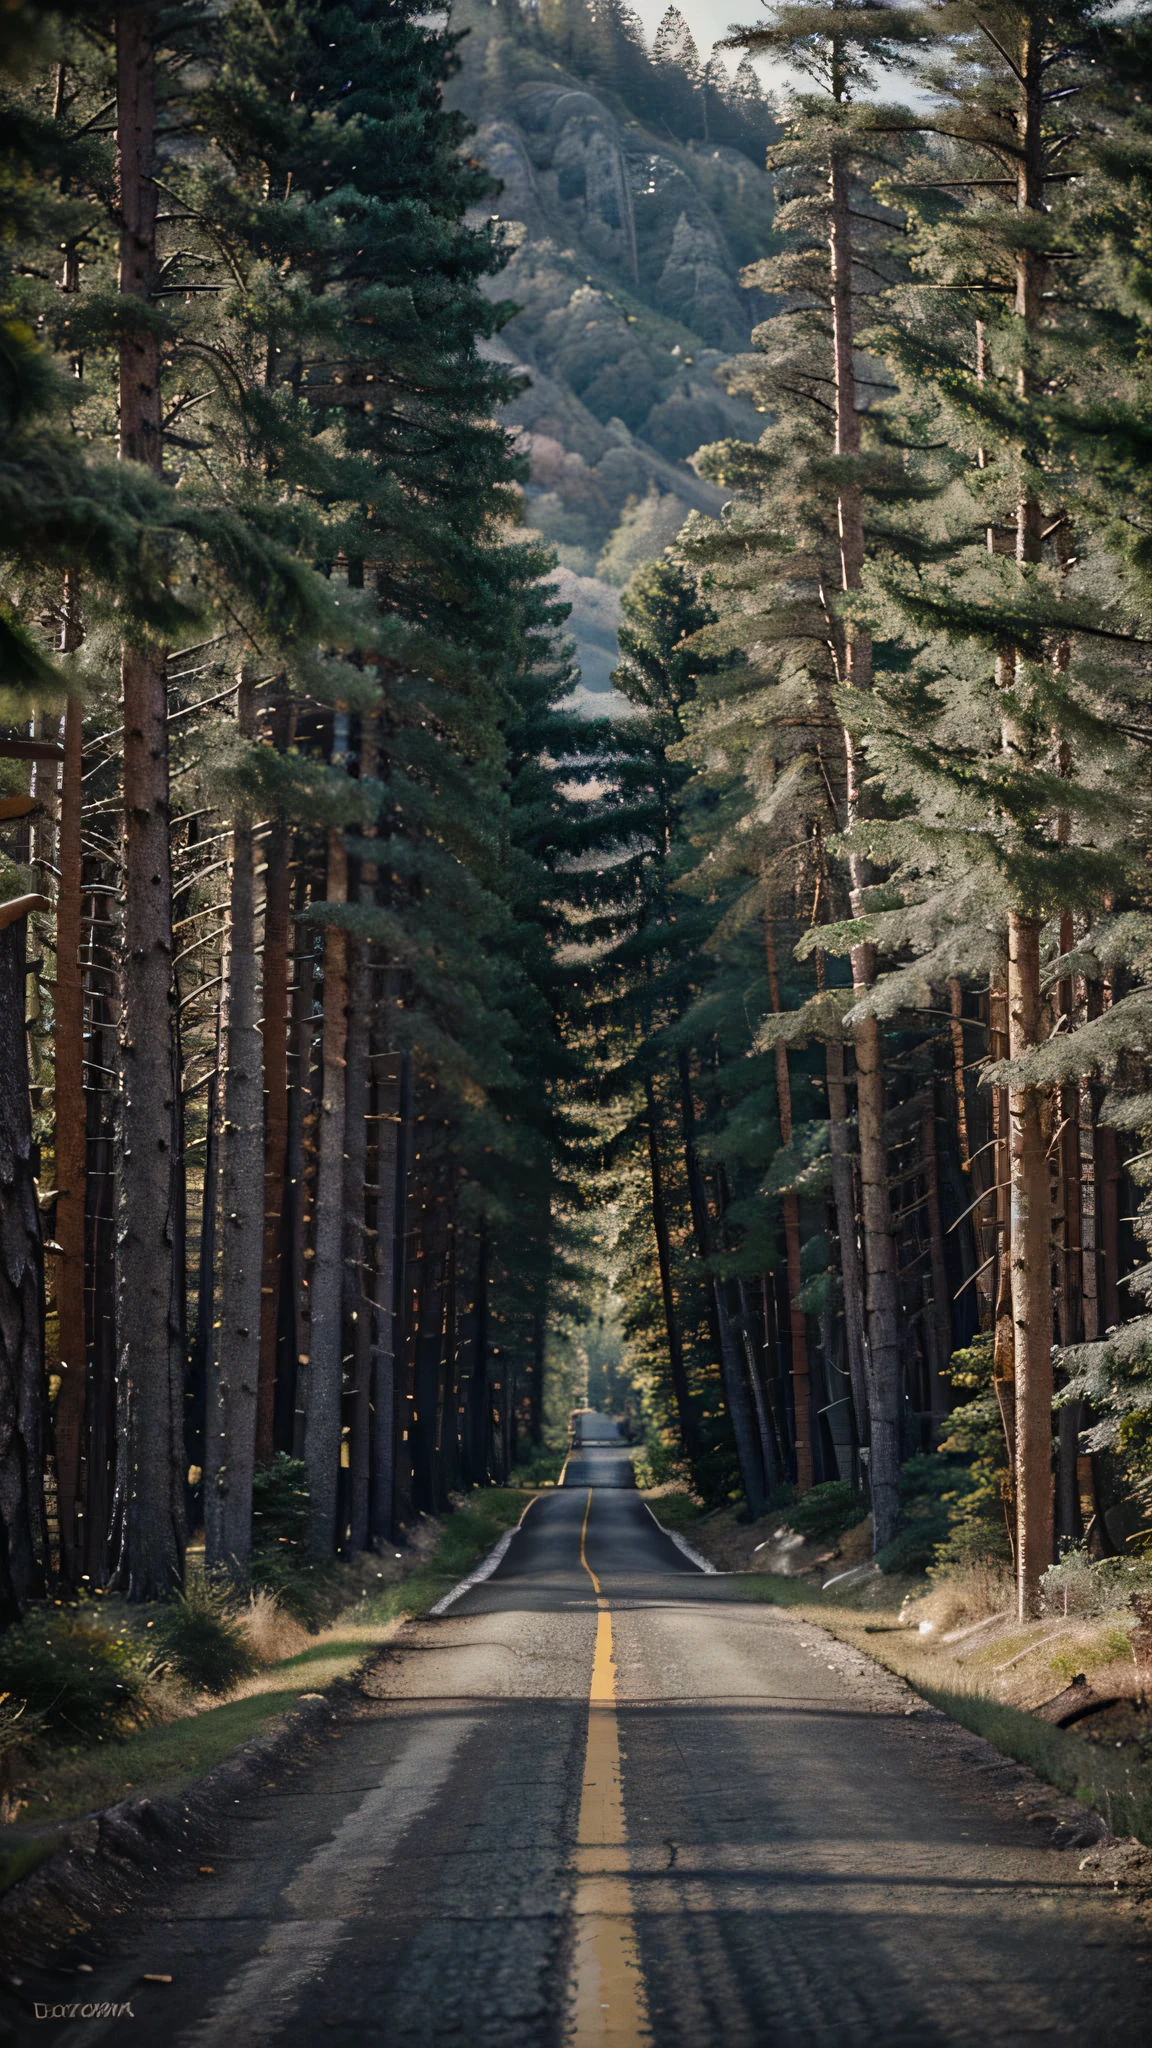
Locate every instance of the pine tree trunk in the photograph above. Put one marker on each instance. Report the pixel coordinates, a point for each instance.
(402, 1476)
(536, 1405)
(201, 1350)
(230, 1432)
(845, 1200)
(387, 1110)
(357, 1288)
(797, 1324)
(1031, 1275)
(24, 1560)
(882, 1298)
(323, 1412)
(940, 1308)
(698, 1208)
(71, 1135)
(359, 1263)
(150, 1517)
(295, 1289)
(1030, 1222)
(676, 1368)
(274, 1047)
(101, 1204)
(759, 1403)
(738, 1402)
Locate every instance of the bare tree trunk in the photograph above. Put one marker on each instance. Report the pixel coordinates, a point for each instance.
(149, 1508)
(676, 1368)
(24, 1563)
(845, 1200)
(322, 1423)
(71, 1126)
(230, 1433)
(1031, 1270)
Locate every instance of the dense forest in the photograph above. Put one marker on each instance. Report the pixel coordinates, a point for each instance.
(879, 1017)
(373, 1024)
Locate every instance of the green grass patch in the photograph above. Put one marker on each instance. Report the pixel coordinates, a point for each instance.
(162, 1760)
(154, 1762)
(1121, 1791)
(677, 1511)
(468, 1534)
(27, 1857)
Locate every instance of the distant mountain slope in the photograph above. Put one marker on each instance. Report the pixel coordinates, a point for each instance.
(628, 247)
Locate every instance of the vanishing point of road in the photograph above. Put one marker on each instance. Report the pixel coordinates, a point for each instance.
(602, 1800)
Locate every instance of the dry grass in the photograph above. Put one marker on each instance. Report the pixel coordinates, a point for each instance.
(270, 1633)
(962, 1600)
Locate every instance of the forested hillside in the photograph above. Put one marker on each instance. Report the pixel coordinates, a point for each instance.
(633, 190)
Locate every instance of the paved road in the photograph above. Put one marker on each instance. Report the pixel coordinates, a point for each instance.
(605, 1801)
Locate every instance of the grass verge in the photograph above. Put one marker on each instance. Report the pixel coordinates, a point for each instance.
(162, 1760)
(469, 1533)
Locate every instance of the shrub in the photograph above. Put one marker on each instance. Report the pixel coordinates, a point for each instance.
(311, 1591)
(77, 1680)
(1077, 1586)
(280, 1507)
(826, 1511)
(198, 1640)
(539, 1468)
(912, 1548)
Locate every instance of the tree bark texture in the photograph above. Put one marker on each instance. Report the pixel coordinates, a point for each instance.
(844, 1197)
(939, 1309)
(698, 1208)
(386, 1100)
(149, 1377)
(880, 1249)
(359, 1261)
(676, 1367)
(738, 1402)
(884, 1370)
(71, 1147)
(322, 1420)
(230, 1445)
(23, 1391)
(1031, 1276)
(357, 1290)
(274, 1046)
(797, 1323)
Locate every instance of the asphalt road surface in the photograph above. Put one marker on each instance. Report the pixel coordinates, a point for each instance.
(602, 1800)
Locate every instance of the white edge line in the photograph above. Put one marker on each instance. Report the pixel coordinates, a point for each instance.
(484, 1570)
(702, 1563)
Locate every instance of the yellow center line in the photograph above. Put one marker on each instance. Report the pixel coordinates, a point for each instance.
(609, 2007)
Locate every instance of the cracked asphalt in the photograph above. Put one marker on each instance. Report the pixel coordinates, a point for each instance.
(812, 1862)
